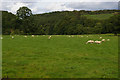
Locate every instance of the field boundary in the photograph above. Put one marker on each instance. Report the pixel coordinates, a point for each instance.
(0, 41)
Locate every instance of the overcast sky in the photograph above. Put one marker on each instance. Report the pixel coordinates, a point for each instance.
(43, 6)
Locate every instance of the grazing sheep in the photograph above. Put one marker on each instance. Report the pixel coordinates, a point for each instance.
(25, 36)
(1, 38)
(69, 36)
(49, 37)
(12, 37)
(103, 40)
(100, 37)
(90, 41)
(108, 39)
(98, 42)
(33, 36)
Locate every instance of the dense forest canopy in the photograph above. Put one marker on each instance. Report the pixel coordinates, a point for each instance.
(60, 22)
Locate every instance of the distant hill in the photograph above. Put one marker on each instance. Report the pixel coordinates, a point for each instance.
(58, 22)
(100, 16)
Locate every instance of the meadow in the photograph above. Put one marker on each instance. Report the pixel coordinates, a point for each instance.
(99, 16)
(59, 57)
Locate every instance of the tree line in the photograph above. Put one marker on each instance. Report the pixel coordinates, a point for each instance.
(59, 22)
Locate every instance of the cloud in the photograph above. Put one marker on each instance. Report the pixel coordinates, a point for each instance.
(12, 7)
(93, 5)
(60, 0)
(43, 7)
(57, 7)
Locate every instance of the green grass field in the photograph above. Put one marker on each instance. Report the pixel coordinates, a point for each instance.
(99, 16)
(59, 57)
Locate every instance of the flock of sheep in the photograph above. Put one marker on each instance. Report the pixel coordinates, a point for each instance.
(96, 41)
(11, 37)
(25, 36)
(89, 41)
(92, 41)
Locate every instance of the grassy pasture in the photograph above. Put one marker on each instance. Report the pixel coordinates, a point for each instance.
(99, 16)
(59, 57)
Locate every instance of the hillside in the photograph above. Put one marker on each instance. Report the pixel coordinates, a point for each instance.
(100, 16)
(60, 22)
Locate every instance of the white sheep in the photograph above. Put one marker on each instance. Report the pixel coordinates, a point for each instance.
(69, 36)
(49, 37)
(25, 36)
(100, 37)
(98, 42)
(12, 37)
(32, 35)
(72, 36)
(103, 40)
(90, 41)
(108, 39)
(1, 38)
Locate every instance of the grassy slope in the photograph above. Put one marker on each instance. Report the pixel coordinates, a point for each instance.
(100, 16)
(60, 57)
